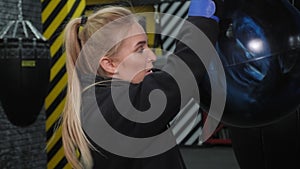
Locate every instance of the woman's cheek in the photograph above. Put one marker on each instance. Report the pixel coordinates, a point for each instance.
(132, 66)
(136, 62)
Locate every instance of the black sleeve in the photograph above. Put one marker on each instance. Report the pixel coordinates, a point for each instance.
(165, 82)
(210, 28)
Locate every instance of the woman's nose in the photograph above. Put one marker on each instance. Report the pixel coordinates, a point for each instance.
(151, 55)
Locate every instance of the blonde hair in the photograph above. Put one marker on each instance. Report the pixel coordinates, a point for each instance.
(75, 143)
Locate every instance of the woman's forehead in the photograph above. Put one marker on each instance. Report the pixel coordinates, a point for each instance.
(136, 29)
(135, 34)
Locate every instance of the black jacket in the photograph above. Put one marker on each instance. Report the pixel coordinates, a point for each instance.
(139, 97)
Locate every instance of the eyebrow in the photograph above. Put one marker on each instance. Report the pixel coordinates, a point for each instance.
(140, 43)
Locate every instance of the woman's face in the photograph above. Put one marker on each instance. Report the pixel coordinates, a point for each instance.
(134, 59)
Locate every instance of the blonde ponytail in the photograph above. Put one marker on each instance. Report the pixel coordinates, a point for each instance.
(73, 137)
(75, 143)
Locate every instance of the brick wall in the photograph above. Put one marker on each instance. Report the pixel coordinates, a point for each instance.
(31, 11)
(22, 147)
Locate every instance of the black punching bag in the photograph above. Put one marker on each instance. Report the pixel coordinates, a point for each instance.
(24, 71)
(259, 46)
(260, 49)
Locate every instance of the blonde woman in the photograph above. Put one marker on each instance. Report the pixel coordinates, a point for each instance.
(109, 49)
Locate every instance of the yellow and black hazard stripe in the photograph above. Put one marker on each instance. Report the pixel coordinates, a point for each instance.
(55, 14)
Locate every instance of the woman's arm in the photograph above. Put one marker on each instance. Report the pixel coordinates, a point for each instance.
(176, 84)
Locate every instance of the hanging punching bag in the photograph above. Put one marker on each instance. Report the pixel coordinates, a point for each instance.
(259, 47)
(24, 71)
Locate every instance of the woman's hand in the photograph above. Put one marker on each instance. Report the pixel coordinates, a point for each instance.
(207, 8)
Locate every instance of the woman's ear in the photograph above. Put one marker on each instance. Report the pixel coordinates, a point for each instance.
(108, 65)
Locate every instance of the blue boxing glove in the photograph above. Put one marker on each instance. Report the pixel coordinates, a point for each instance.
(204, 8)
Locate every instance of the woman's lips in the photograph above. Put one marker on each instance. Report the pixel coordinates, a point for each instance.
(149, 71)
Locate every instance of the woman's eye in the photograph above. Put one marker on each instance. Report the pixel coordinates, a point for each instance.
(140, 50)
